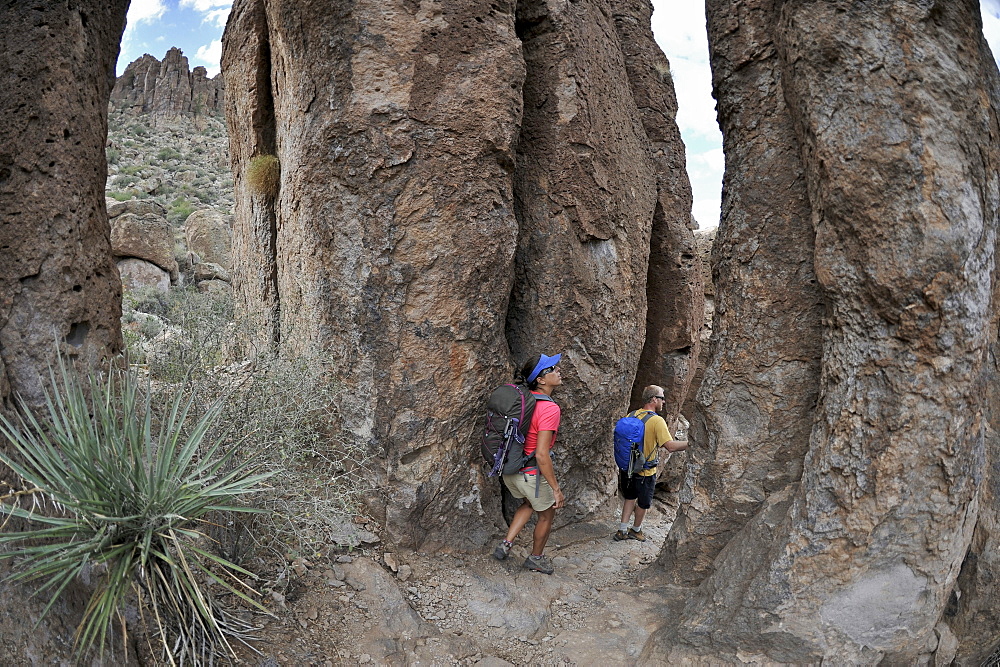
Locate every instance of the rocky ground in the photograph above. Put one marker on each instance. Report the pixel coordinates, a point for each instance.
(370, 606)
(181, 164)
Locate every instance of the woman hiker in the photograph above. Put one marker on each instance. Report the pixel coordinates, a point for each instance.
(536, 482)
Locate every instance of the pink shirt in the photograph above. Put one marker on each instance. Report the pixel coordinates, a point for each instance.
(545, 418)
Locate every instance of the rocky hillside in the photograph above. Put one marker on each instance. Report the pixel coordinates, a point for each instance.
(166, 138)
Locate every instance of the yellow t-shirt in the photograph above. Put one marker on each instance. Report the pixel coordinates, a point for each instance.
(656, 434)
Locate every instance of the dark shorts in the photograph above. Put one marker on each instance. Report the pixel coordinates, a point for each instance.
(637, 488)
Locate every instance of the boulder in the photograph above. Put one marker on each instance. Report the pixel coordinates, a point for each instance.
(672, 344)
(142, 207)
(145, 237)
(209, 235)
(138, 273)
(703, 239)
(586, 189)
(209, 271)
(214, 287)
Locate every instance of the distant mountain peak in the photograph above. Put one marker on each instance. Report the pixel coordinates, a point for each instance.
(167, 89)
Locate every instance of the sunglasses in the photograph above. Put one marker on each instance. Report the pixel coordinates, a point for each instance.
(662, 398)
(546, 371)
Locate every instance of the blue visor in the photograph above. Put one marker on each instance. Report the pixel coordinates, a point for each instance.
(543, 363)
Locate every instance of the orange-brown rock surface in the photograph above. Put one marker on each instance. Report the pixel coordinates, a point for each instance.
(409, 177)
(58, 281)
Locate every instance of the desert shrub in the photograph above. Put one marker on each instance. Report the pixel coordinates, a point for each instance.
(166, 154)
(278, 406)
(264, 175)
(120, 195)
(180, 208)
(128, 485)
(113, 155)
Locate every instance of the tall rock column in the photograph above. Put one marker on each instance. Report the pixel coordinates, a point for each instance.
(394, 227)
(586, 190)
(754, 406)
(58, 280)
(674, 291)
(897, 134)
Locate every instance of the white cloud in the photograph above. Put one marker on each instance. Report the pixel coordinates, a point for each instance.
(145, 10)
(210, 55)
(206, 5)
(217, 17)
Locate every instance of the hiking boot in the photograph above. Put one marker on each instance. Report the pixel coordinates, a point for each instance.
(538, 564)
(634, 534)
(500, 553)
(619, 536)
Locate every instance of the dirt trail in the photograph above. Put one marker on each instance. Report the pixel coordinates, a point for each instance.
(410, 608)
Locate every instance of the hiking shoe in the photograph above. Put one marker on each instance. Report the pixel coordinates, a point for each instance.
(538, 564)
(619, 536)
(502, 550)
(634, 534)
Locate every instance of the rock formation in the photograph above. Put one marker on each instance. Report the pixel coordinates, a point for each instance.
(58, 281)
(391, 243)
(144, 237)
(168, 89)
(209, 236)
(847, 543)
(753, 409)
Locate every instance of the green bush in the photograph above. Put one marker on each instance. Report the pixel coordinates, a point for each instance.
(120, 196)
(179, 210)
(165, 154)
(113, 155)
(129, 486)
(264, 175)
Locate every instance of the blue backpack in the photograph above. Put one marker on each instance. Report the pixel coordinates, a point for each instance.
(630, 431)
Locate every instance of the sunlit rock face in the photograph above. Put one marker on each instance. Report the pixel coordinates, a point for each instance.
(461, 186)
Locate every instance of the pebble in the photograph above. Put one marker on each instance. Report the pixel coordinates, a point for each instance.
(405, 572)
(344, 559)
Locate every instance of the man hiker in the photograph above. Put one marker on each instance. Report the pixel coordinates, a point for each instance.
(637, 490)
(536, 482)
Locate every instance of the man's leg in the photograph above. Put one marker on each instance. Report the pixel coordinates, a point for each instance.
(639, 515)
(542, 530)
(521, 518)
(627, 508)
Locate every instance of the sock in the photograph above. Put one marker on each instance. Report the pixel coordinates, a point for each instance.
(623, 526)
(637, 529)
(536, 557)
(508, 543)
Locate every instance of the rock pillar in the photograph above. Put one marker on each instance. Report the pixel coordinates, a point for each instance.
(894, 117)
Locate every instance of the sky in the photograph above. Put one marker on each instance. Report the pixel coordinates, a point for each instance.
(195, 26)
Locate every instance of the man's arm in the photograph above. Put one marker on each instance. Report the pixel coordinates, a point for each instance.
(544, 461)
(667, 441)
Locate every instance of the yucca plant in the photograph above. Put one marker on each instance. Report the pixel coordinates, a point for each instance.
(127, 494)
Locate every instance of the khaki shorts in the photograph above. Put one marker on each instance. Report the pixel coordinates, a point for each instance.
(522, 485)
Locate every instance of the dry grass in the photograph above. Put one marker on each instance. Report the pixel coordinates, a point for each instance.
(264, 175)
